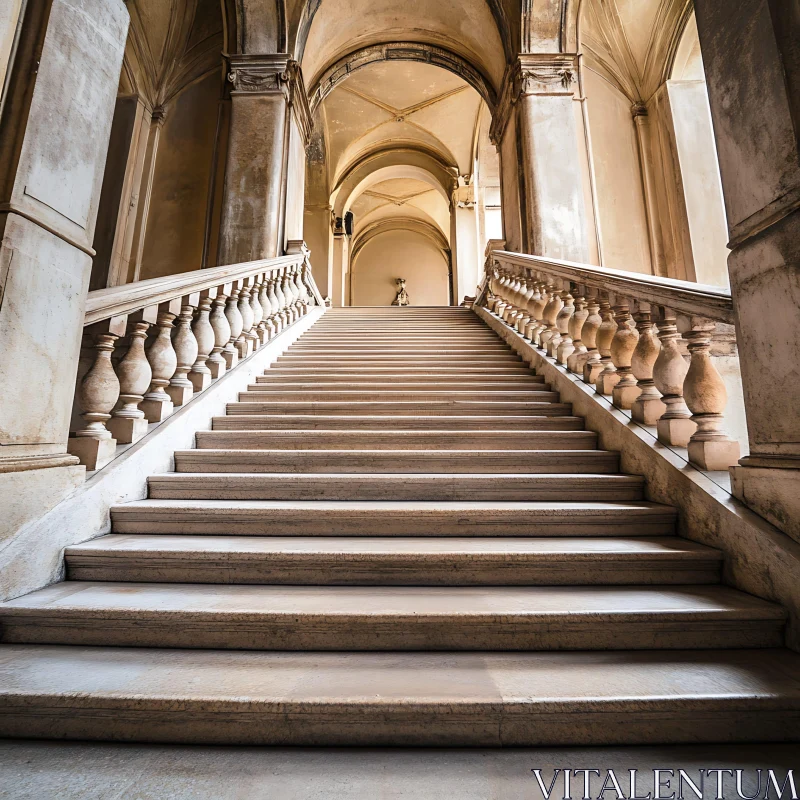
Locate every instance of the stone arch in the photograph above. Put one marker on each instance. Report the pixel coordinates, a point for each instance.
(402, 51)
(406, 162)
(405, 224)
(299, 31)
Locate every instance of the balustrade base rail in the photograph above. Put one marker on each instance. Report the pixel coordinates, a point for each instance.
(621, 333)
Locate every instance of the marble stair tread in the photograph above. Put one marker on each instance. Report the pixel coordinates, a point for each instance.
(410, 699)
(387, 518)
(400, 381)
(260, 392)
(390, 460)
(421, 407)
(506, 487)
(392, 561)
(396, 440)
(242, 422)
(399, 361)
(511, 370)
(391, 618)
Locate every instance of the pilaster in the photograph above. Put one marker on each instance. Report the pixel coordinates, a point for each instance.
(269, 111)
(536, 121)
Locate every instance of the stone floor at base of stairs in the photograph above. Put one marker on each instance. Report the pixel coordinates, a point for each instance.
(88, 771)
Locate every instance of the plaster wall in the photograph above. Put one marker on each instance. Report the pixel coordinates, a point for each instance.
(615, 155)
(176, 223)
(511, 201)
(9, 16)
(400, 254)
(697, 155)
(295, 183)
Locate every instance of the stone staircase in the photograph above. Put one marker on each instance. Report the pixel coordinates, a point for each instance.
(399, 535)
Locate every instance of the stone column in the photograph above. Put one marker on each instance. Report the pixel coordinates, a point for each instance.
(537, 108)
(752, 67)
(341, 264)
(54, 137)
(464, 241)
(268, 98)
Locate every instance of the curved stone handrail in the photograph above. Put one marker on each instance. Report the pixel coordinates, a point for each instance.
(685, 297)
(197, 326)
(621, 332)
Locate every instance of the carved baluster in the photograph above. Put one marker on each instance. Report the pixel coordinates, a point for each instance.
(288, 308)
(294, 295)
(625, 390)
(648, 406)
(524, 316)
(283, 299)
(128, 423)
(157, 404)
(266, 309)
(222, 332)
(244, 344)
(675, 426)
(97, 395)
(300, 299)
(569, 355)
(562, 321)
(180, 388)
(710, 447)
(589, 333)
(537, 323)
(231, 353)
(530, 313)
(554, 305)
(200, 375)
(595, 370)
(275, 304)
(258, 312)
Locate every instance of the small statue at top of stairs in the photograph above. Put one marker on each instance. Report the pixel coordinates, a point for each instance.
(401, 298)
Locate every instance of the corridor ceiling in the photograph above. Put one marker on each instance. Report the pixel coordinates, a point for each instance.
(406, 107)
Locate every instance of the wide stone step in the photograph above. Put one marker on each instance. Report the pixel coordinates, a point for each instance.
(396, 618)
(256, 422)
(373, 518)
(398, 699)
(431, 486)
(396, 440)
(392, 407)
(397, 561)
(406, 461)
(401, 381)
(511, 372)
(262, 393)
(397, 361)
(396, 349)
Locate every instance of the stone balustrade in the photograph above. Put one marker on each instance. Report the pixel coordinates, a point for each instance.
(643, 341)
(149, 347)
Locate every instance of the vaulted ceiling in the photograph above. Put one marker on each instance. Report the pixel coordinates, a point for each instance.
(171, 44)
(402, 107)
(632, 43)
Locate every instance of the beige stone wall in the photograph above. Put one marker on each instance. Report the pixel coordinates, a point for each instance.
(9, 15)
(399, 254)
(620, 201)
(179, 206)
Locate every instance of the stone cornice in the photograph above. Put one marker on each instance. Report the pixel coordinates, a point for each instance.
(273, 73)
(257, 73)
(533, 74)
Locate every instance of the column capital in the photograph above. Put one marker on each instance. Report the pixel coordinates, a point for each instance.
(544, 74)
(269, 74)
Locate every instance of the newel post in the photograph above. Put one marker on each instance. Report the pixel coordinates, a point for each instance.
(710, 446)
